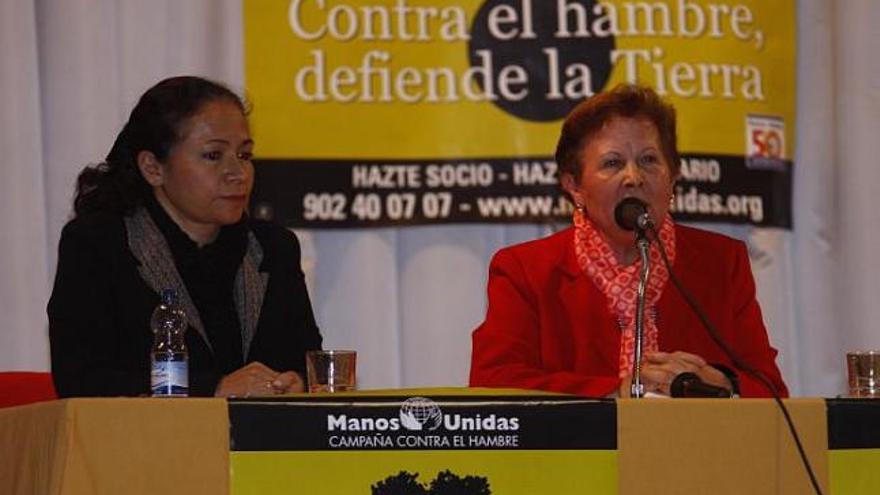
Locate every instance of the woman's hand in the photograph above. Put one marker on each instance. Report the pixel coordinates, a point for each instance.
(288, 382)
(256, 380)
(659, 369)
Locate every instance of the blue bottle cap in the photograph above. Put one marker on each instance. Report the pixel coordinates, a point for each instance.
(169, 296)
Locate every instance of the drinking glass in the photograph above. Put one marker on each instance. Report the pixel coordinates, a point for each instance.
(863, 373)
(331, 371)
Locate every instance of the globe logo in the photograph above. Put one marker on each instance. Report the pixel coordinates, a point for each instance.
(419, 413)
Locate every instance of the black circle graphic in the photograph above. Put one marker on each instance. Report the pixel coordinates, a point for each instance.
(542, 102)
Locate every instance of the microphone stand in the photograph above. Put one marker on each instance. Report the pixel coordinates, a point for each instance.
(637, 389)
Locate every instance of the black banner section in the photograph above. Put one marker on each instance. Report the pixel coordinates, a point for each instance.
(853, 423)
(421, 423)
(376, 193)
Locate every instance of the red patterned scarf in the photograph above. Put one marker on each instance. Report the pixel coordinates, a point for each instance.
(620, 283)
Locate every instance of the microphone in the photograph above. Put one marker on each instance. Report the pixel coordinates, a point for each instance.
(690, 385)
(632, 214)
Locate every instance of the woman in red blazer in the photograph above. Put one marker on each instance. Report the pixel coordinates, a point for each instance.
(561, 312)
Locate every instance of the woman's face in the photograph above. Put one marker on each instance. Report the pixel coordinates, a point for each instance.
(206, 180)
(624, 159)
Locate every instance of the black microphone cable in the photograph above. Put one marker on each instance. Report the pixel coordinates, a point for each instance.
(737, 362)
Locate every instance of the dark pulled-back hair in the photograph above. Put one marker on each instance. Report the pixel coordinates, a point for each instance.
(624, 100)
(156, 124)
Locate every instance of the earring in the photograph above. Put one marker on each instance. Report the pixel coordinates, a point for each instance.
(672, 200)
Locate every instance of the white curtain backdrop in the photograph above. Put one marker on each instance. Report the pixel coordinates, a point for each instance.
(407, 299)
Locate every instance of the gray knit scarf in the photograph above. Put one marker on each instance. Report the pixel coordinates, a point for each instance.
(157, 269)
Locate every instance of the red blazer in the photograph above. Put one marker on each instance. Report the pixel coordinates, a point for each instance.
(547, 326)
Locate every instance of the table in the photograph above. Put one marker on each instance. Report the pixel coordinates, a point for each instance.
(115, 446)
(514, 443)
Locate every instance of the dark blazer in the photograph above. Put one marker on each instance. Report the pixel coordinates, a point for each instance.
(100, 309)
(548, 326)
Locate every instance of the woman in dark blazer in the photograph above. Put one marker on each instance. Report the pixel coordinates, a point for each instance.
(561, 313)
(166, 209)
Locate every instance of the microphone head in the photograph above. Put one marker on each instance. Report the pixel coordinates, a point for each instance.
(689, 385)
(681, 383)
(628, 212)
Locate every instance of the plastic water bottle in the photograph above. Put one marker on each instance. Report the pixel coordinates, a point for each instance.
(170, 373)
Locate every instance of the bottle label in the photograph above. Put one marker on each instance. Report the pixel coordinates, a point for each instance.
(170, 379)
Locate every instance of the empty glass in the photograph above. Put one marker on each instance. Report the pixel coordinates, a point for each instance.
(331, 371)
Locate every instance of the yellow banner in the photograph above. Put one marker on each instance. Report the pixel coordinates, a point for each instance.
(436, 472)
(454, 79)
(390, 112)
(854, 470)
